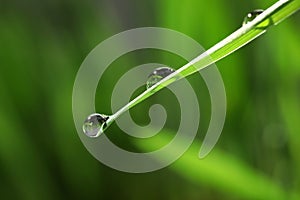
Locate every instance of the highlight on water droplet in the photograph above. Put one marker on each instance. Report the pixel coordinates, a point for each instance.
(95, 124)
(252, 15)
(158, 74)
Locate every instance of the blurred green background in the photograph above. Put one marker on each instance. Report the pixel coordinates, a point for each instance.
(43, 44)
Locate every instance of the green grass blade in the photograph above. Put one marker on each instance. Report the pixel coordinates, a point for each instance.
(248, 32)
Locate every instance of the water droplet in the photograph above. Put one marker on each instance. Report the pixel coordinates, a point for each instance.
(252, 15)
(158, 74)
(95, 124)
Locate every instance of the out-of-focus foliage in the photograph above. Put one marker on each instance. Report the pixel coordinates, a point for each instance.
(42, 46)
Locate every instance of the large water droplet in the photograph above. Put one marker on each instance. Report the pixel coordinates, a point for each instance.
(95, 124)
(252, 15)
(158, 74)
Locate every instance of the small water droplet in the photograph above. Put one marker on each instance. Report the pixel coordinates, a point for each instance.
(252, 15)
(158, 74)
(95, 124)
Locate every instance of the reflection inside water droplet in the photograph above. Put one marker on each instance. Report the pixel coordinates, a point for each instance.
(252, 15)
(95, 124)
(158, 74)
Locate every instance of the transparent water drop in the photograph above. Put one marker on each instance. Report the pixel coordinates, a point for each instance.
(158, 74)
(252, 15)
(95, 124)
